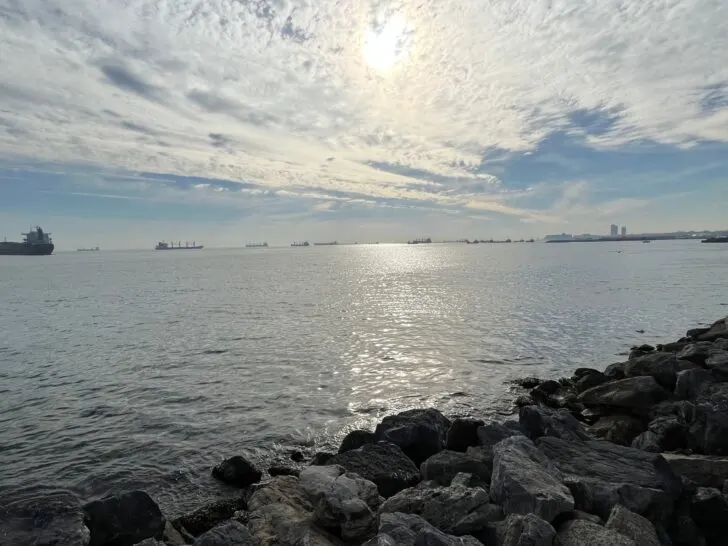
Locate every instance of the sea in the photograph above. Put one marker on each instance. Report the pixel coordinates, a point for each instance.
(142, 370)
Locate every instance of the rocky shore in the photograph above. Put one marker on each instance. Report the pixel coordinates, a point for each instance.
(636, 454)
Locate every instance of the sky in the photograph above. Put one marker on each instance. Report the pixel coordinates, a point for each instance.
(125, 122)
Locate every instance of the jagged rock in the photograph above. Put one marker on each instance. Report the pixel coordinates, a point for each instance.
(525, 530)
(492, 433)
(690, 382)
(704, 470)
(205, 518)
(322, 458)
(237, 471)
(674, 347)
(355, 439)
(641, 350)
(539, 421)
(616, 370)
(463, 433)
(662, 366)
(297, 456)
(697, 353)
(663, 434)
(619, 428)
(718, 364)
(282, 470)
(602, 474)
(528, 382)
(381, 540)
(468, 480)
(420, 433)
(695, 333)
(410, 530)
(525, 481)
(342, 501)
(589, 378)
(580, 532)
(635, 395)
(382, 463)
(122, 520)
(719, 330)
(433, 537)
(457, 510)
(280, 490)
(633, 526)
(229, 533)
(150, 542)
(709, 508)
(444, 466)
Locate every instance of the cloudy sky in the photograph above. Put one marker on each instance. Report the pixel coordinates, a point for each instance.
(126, 121)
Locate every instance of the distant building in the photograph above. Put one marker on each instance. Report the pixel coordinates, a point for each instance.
(624, 231)
(614, 230)
(561, 237)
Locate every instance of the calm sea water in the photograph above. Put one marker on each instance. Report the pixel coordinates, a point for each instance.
(123, 370)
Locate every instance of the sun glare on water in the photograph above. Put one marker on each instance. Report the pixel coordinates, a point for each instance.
(385, 44)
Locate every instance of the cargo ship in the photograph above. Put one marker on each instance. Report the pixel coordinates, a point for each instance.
(170, 246)
(35, 243)
(332, 243)
(92, 249)
(256, 245)
(722, 239)
(304, 243)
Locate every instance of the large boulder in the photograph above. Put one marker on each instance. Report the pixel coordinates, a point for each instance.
(355, 439)
(229, 533)
(634, 395)
(537, 421)
(633, 526)
(205, 518)
(601, 475)
(398, 529)
(444, 466)
(237, 471)
(666, 433)
(689, 383)
(618, 428)
(580, 532)
(382, 463)
(718, 364)
(697, 353)
(420, 433)
(704, 470)
(709, 508)
(123, 520)
(492, 433)
(662, 366)
(586, 378)
(456, 509)
(524, 481)
(525, 530)
(343, 502)
(462, 434)
(719, 330)
(49, 519)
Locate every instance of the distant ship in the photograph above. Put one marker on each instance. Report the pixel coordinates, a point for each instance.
(722, 239)
(93, 249)
(326, 244)
(419, 241)
(256, 245)
(170, 246)
(304, 243)
(35, 243)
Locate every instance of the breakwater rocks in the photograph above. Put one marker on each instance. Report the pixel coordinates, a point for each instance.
(635, 454)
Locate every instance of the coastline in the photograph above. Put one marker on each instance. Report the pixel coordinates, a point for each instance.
(582, 462)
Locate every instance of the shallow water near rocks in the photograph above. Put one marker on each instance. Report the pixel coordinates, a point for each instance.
(122, 370)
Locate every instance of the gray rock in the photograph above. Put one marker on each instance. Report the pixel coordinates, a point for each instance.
(719, 330)
(462, 434)
(590, 378)
(717, 362)
(444, 466)
(381, 540)
(581, 532)
(124, 519)
(492, 433)
(697, 353)
(641, 350)
(647, 441)
(433, 537)
(403, 528)
(619, 428)
(709, 508)
(524, 481)
(229, 533)
(420, 433)
(282, 470)
(150, 542)
(663, 434)
(321, 458)
(464, 479)
(690, 382)
(537, 421)
(237, 471)
(704, 470)
(662, 366)
(616, 370)
(634, 395)
(602, 474)
(526, 530)
(342, 501)
(355, 439)
(205, 518)
(633, 526)
(382, 463)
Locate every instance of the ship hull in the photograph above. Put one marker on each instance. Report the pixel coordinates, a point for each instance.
(23, 249)
(180, 248)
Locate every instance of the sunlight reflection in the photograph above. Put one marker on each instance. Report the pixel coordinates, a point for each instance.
(386, 43)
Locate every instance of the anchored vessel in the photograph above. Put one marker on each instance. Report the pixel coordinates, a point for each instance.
(92, 249)
(715, 240)
(35, 243)
(304, 243)
(332, 243)
(256, 245)
(419, 241)
(170, 246)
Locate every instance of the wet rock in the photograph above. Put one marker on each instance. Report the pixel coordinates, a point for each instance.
(322, 458)
(662, 366)
(663, 434)
(674, 347)
(697, 353)
(633, 526)
(718, 364)
(619, 428)
(602, 474)
(709, 508)
(342, 501)
(690, 382)
(641, 350)
(634, 395)
(589, 378)
(539, 421)
(433, 537)
(282, 470)
(382, 463)
(492, 433)
(524, 481)
(528, 382)
(419, 433)
(464, 479)
(355, 439)
(229, 533)
(695, 333)
(719, 330)
(297, 456)
(581, 532)
(704, 470)
(402, 528)
(207, 517)
(463, 433)
(237, 471)
(123, 520)
(616, 370)
(444, 466)
(526, 530)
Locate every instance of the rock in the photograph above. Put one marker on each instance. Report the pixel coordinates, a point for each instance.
(633, 526)
(237, 471)
(704, 470)
(420, 433)
(207, 517)
(634, 395)
(539, 421)
(342, 501)
(718, 364)
(381, 540)
(525, 481)
(589, 378)
(528, 382)
(321, 458)
(580, 532)
(282, 470)
(281, 490)
(297, 456)
(602, 474)
(355, 439)
(464, 479)
(457, 510)
(229, 533)
(619, 428)
(526, 530)
(402, 528)
(463, 433)
(444, 466)
(433, 537)
(695, 333)
(674, 347)
(641, 350)
(123, 520)
(697, 353)
(709, 508)
(382, 463)
(663, 434)
(719, 330)
(690, 382)
(662, 366)
(150, 542)
(492, 433)
(616, 370)
(524, 400)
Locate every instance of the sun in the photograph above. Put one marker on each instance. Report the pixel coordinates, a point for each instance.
(385, 44)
